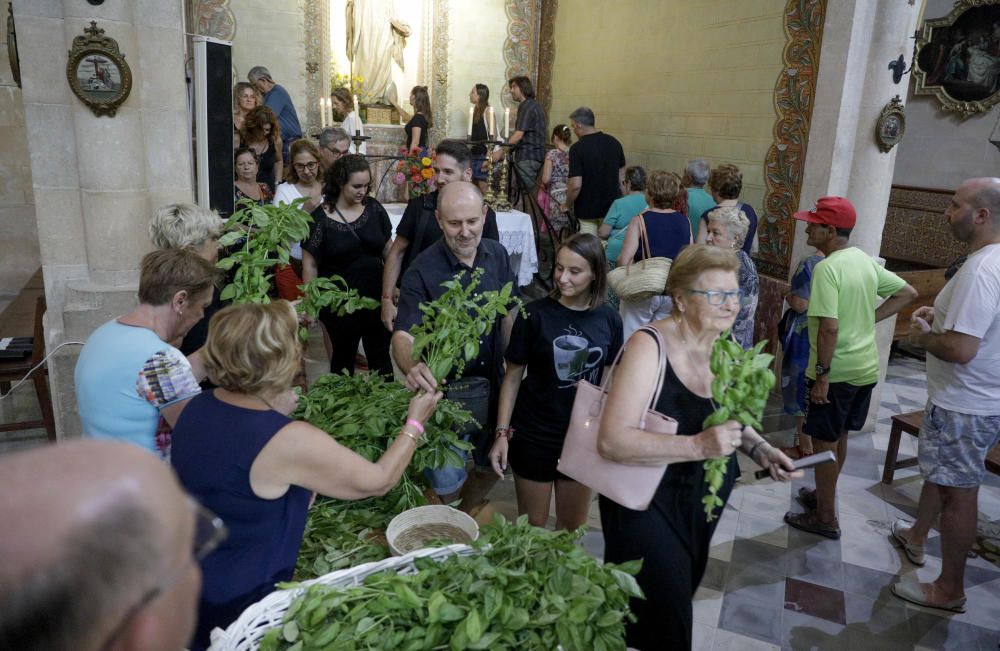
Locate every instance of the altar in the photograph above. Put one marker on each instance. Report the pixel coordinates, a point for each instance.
(517, 235)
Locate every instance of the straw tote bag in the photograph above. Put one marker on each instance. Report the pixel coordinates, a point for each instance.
(643, 279)
(631, 486)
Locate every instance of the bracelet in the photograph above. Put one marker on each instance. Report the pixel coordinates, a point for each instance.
(754, 448)
(415, 424)
(387, 298)
(504, 431)
(413, 437)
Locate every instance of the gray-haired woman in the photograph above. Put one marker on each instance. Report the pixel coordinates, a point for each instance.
(727, 229)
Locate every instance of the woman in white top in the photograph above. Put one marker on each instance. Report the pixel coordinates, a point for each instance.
(343, 104)
(302, 180)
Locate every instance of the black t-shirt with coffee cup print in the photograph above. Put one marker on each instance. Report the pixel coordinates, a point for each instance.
(559, 346)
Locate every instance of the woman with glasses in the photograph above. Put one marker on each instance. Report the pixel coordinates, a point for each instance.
(302, 181)
(668, 232)
(262, 134)
(727, 229)
(672, 536)
(350, 237)
(238, 452)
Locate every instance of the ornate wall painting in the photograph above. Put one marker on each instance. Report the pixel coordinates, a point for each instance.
(891, 125)
(97, 71)
(213, 18)
(958, 57)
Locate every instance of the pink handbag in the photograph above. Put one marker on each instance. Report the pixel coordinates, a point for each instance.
(631, 486)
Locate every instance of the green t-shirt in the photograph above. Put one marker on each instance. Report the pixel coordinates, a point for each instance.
(846, 286)
(619, 216)
(699, 203)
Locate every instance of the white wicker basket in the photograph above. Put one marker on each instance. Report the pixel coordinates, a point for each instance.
(413, 528)
(245, 633)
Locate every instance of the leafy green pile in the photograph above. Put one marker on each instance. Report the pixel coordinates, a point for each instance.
(332, 293)
(743, 379)
(364, 413)
(526, 589)
(448, 336)
(270, 232)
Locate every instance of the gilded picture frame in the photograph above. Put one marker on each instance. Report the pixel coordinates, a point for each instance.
(97, 71)
(891, 125)
(958, 57)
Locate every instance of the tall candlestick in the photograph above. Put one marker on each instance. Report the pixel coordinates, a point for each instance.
(472, 115)
(506, 123)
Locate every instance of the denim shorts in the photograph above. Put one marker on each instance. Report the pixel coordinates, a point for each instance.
(952, 447)
(473, 394)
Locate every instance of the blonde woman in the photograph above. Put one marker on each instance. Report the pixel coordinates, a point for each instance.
(245, 99)
(725, 183)
(239, 453)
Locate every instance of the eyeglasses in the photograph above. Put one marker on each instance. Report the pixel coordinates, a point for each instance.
(715, 297)
(337, 153)
(209, 532)
(306, 166)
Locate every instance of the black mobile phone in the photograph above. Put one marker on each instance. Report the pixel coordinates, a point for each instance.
(805, 462)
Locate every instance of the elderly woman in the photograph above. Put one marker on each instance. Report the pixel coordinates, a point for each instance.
(726, 183)
(245, 99)
(246, 185)
(187, 226)
(622, 210)
(672, 536)
(350, 237)
(237, 451)
(727, 229)
(668, 232)
(262, 134)
(131, 384)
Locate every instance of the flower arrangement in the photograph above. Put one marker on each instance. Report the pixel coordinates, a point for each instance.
(355, 84)
(415, 170)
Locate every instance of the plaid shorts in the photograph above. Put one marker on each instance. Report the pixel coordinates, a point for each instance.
(952, 447)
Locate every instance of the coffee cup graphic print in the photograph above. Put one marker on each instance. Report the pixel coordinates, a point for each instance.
(574, 359)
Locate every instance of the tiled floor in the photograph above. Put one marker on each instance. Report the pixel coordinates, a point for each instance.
(768, 586)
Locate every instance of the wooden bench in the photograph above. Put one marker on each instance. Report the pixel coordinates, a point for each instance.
(928, 283)
(910, 423)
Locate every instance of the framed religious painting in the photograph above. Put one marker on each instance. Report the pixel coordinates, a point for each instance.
(958, 57)
(97, 71)
(891, 125)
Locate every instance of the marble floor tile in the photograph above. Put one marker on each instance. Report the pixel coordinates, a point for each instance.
(708, 606)
(729, 641)
(751, 617)
(815, 600)
(805, 565)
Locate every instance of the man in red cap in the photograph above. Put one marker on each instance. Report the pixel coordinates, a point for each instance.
(843, 361)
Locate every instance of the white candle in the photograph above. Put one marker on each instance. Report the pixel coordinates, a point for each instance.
(329, 106)
(322, 113)
(491, 123)
(472, 115)
(506, 123)
(357, 112)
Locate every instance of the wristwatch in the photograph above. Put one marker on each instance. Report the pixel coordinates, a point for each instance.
(821, 370)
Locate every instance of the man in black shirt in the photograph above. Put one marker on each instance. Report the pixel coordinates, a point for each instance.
(529, 135)
(418, 228)
(596, 169)
(461, 214)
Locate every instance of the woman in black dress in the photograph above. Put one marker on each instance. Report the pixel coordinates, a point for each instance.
(481, 131)
(350, 236)
(262, 134)
(420, 122)
(672, 536)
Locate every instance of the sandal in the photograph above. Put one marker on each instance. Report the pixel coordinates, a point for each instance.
(913, 593)
(809, 522)
(807, 498)
(913, 552)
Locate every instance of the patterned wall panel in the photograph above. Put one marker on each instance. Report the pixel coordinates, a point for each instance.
(916, 233)
(520, 49)
(794, 95)
(546, 53)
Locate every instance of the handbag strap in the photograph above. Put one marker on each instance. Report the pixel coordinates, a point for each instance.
(644, 238)
(661, 368)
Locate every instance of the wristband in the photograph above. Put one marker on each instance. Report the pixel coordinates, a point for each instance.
(387, 298)
(504, 431)
(415, 424)
(754, 448)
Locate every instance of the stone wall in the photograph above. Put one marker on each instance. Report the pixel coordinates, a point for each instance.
(19, 257)
(939, 150)
(675, 80)
(474, 56)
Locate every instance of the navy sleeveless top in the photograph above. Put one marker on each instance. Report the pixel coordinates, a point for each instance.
(214, 446)
(668, 234)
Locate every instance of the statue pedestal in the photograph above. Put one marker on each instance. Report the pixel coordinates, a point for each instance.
(386, 140)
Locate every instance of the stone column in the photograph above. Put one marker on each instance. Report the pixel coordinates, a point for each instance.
(854, 83)
(97, 179)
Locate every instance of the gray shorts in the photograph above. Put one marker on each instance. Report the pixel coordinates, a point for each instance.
(952, 447)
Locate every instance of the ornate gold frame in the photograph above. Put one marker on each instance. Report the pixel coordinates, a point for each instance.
(94, 42)
(885, 139)
(924, 35)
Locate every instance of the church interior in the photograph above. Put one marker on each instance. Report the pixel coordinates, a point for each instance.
(808, 98)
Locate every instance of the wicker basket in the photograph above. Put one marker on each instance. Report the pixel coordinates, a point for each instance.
(246, 632)
(643, 279)
(412, 529)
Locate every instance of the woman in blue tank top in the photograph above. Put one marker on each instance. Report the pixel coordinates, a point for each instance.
(237, 451)
(668, 232)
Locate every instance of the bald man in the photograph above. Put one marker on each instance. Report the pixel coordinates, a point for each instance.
(961, 334)
(461, 214)
(97, 550)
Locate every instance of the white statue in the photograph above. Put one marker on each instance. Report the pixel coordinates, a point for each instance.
(375, 38)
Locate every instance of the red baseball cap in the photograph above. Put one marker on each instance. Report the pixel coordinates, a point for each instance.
(830, 211)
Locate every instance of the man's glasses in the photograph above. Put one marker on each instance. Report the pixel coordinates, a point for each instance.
(338, 153)
(311, 167)
(715, 297)
(209, 532)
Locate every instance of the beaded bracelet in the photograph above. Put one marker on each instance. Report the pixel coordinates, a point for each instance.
(505, 431)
